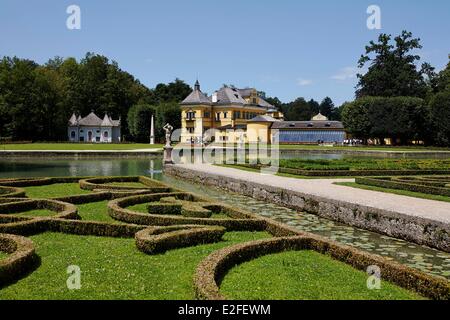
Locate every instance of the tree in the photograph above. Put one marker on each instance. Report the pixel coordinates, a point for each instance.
(443, 79)
(327, 107)
(275, 102)
(300, 110)
(355, 117)
(392, 68)
(401, 119)
(175, 91)
(139, 121)
(440, 118)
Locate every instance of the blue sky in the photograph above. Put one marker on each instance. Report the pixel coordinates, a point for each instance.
(286, 48)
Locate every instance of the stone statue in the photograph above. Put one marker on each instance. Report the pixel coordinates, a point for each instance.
(168, 129)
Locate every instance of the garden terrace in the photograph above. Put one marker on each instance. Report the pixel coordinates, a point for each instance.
(426, 185)
(358, 167)
(175, 244)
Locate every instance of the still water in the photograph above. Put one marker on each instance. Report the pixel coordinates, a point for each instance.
(426, 259)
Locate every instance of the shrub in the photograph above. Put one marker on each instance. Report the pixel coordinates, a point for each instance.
(211, 271)
(155, 240)
(21, 259)
(413, 185)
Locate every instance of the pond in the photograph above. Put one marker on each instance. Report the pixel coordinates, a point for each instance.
(426, 259)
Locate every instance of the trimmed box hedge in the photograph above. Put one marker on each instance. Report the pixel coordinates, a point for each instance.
(412, 185)
(22, 258)
(11, 192)
(154, 240)
(211, 271)
(101, 184)
(239, 221)
(349, 173)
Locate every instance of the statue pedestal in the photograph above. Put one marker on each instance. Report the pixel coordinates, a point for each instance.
(168, 155)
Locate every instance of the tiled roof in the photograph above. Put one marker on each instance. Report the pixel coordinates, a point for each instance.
(263, 118)
(93, 121)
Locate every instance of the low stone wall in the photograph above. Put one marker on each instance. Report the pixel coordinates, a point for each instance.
(415, 229)
(77, 153)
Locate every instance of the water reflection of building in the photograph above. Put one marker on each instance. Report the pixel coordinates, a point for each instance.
(232, 115)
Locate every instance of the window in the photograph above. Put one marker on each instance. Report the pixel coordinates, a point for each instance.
(97, 139)
(207, 114)
(190, 115)
(218, 116)
(225, 115)
(72, 134)
(105, 134)
(190, 130)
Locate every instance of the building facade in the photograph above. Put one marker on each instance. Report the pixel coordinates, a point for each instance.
(242, 116)
(227, 111)
(93, 129)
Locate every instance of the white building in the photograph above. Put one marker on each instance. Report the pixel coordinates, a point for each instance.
(93, 129)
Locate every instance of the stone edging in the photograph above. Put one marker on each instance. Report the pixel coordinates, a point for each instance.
(415, 229)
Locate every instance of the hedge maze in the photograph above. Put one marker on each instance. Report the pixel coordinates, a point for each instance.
(160, 219)
(436, 185)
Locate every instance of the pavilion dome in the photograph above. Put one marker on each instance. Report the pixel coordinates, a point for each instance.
(319, 117)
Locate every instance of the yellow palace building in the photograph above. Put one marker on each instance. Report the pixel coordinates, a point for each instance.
(229, 111)
(232, 115)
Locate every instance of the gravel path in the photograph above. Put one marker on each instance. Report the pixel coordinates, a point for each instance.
(435, 210)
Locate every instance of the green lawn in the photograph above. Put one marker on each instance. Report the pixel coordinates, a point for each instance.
(78, 146)
(3, 255)
(395, 191)
(55, 190)
(354, 148)
(37, 213)
(304, 275)
(366, 164)
(113, 268)
(95, 211)
(362, 148)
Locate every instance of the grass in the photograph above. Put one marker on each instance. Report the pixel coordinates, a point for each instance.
(113, 268)
(78, 146)
(396, 191)
(304, 275)
(367, 164)
(142, 207)
(37, 213)
(127, 184)
(353, 148)
(55, 190)
(3, 255)
(363, 148)
(95, 211)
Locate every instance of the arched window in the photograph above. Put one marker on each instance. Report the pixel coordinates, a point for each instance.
(105, 134)
(72, 134)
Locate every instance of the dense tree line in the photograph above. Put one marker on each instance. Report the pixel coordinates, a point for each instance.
(396, 98)
(36, 101)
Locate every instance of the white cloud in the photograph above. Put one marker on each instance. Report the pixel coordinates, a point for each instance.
(346, 74)
(304, 82)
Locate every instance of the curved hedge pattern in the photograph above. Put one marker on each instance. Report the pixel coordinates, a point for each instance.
(21, 259)
(239, 220)
(429, 185)
(348, 172)
(157, 233)
(211, 271)
(101, 184)
(11, 192)
(155, 240)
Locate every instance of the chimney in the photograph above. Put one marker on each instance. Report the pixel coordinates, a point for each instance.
(214, 97)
